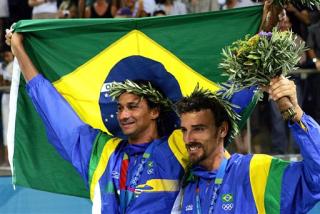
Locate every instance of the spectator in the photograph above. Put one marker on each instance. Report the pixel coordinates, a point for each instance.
(43, 9)
(81, 8)
(159, 13)
(313, 89)
(19, 9)
(68, 9)
(270, 16)
(123, 13)
(144, 8)
(126, 10)
(4, 14)
(6, 73)
(198, 6)
(248, 3)
(230, 4)
(313, 42)
(300, 19)
(101, 9)
(172, 7)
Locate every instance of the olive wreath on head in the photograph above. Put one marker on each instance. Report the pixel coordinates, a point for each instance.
(142, 90)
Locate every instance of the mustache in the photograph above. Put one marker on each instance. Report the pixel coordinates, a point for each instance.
(126, 121)
(193, 144)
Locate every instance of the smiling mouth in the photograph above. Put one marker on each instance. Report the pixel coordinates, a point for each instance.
(126, 124)
(192, 147)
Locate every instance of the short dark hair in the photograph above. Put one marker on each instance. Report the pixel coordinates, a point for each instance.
(198, 101)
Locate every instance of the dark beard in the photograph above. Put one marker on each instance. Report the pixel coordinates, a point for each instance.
(195, 160)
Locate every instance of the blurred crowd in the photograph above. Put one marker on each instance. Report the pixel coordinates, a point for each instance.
(15, 10)
(304, 21)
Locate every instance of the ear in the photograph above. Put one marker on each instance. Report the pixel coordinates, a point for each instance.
(223, 129)
(154, 113)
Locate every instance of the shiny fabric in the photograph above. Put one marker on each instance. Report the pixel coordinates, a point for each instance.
(74, 140)
(300, 186)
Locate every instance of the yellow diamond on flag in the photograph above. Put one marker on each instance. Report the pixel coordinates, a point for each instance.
(82, 87)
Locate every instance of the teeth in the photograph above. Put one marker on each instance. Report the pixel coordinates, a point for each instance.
(192, 148)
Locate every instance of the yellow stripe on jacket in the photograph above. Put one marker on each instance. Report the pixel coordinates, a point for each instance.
(259, 171)
(108, 150)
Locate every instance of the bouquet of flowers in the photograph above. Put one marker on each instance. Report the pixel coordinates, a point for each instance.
(256, 60)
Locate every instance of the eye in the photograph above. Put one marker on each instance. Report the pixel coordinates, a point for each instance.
(183, 130)
(132, 106)
(199, 129)
(119, 109)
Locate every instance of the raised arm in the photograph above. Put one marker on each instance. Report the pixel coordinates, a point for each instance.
(300, 186)
(71, 137)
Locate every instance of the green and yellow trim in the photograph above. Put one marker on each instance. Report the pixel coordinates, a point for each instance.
(259, 172)
(266, 175)
(98, 166)
(272, 198)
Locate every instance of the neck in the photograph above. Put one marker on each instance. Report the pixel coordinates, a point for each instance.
(214, 160)
(147, 136)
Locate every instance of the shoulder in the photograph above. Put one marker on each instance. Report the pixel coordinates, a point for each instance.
(162, 148)
(238, 159)
(260, 160)
(239, 162)
(105, 144)
(258, 165)
(166, 153)
(264, 166)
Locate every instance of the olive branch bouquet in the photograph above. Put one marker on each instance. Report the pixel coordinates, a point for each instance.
(258, 59)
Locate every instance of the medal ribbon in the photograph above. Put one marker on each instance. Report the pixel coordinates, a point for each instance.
(217, 184)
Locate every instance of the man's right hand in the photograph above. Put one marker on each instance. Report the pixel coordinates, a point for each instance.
(15, 40)
(283, 87)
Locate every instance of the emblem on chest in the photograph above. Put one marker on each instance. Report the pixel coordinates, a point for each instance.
(227, 202)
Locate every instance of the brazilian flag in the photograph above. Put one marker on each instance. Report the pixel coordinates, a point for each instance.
(81, 56)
